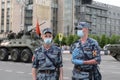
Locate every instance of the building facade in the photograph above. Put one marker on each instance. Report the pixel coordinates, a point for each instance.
(5, 12)
(68, 15)
(113, 21)
(17, 15)
(61, 15)
(54, 16)
(42, 13)
(103, 18)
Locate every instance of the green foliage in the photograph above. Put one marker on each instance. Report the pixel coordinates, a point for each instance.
(97, 38)
(71, 39)
(56, 40)
(114, 39)
(76, 38)
(66, 40)
(102, 40)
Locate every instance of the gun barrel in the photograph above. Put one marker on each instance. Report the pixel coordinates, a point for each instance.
(35, 27)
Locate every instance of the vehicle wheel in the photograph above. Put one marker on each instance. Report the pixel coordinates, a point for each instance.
(15, 55)
(118, 57)
(26, 55)
(3, 54)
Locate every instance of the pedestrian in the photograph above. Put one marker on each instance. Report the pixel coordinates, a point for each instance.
(85, 55)
(47, 63)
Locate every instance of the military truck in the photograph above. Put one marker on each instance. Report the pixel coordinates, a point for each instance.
(114, 50)
(20, 48)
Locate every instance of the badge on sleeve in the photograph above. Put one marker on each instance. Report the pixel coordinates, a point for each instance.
(94, 53)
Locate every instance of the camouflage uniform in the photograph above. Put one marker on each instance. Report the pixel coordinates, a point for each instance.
(85, 52)
(45, 68)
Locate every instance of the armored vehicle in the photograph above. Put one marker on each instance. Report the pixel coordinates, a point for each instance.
(20, 48)
(114, 50)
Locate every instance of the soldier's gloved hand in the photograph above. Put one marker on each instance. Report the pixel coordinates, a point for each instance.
(77, 62)
(75, 52)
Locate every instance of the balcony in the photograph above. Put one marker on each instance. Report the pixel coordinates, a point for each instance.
(102, 15)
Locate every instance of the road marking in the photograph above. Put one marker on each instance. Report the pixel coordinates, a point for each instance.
(66, 78)
(116, 72)
(8, 70)
(30, 73)
(19, 72)
(115, 62)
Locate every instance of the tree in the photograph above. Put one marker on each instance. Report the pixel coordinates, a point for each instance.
(114, 39)
(103, 40)
(70, 40)
(56, 40)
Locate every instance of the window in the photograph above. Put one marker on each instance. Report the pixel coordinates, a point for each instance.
(88, 9)
(88, 17)
(98, 19)
(94, 11)
(8, 27)
(103, 12)
(108, 21)
(98, 11)
(114, 13)
(3, 6)
(103, 20)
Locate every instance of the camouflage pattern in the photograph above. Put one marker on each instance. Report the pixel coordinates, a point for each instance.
(45, 76)
(41, 62)
(88, 48)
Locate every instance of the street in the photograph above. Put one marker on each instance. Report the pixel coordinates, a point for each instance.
(22, 71)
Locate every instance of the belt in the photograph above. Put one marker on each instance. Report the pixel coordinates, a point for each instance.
(81, 69)
(46, 71)
(78, 69)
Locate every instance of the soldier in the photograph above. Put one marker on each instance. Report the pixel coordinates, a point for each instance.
(11, 35)
(47, 62)
(85, 55)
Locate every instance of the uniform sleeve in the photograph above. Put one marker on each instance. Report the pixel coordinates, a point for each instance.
(98, 56)
(60, 59)
(73, 46)
(35, 60)
(75, 53)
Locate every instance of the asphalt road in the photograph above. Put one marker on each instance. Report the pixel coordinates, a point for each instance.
(110, 69)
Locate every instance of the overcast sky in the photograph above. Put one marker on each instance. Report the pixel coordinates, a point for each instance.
(112, 2)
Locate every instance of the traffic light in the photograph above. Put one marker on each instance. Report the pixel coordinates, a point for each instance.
(86, 1)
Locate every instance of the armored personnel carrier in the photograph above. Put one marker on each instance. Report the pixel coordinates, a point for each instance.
(20, 48)
(114, 51)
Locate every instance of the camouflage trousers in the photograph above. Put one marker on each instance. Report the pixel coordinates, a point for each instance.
(80, 75)
(45, 76)
(86, 75)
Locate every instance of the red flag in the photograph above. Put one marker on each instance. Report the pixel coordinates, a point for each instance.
(37, 28)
